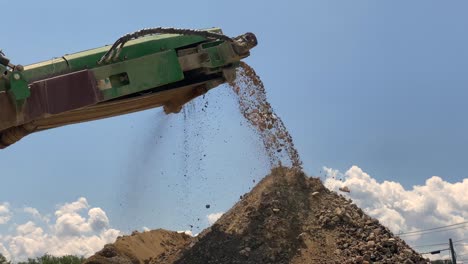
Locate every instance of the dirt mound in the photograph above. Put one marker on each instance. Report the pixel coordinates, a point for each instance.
(141, 247)
(287, 218)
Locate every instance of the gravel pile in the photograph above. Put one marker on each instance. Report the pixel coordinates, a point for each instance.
(290, 218)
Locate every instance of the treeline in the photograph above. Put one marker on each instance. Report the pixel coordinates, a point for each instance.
(47, 259)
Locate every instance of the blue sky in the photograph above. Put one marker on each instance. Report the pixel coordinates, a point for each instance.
(378, 84)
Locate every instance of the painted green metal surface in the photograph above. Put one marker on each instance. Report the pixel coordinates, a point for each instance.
(19, 86)
(139, 74)
(142, 64)
(88, 59)
(220, 54)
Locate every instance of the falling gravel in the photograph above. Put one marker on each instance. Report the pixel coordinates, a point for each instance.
(258, 112)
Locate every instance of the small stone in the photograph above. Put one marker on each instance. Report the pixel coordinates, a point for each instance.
(344, 189)
(347, 216)
(244, 252)
(108, 251)
(338, 211)
(377, 231)
(408, 251)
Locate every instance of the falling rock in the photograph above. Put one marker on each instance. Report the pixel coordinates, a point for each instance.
(344, 189)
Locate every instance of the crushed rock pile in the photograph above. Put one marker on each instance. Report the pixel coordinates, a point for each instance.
(287, 218)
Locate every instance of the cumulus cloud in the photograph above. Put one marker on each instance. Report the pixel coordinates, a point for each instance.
(35, 214)
(212, 218)
(78, 229)
(98, 219)
(5, 213)
(73, 207)
(4, 251)
(436, 203)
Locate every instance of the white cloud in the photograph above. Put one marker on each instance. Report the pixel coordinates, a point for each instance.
(73, 207)
(5, 213)
(434, 204)
(332, 173)
(4, 251)
(35, 214)
(71, 224)
(187, 232)
(212, 218)
(73, 232)
(98, 219)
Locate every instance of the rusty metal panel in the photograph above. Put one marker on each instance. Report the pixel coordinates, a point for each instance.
(7, 111)
(61, 94)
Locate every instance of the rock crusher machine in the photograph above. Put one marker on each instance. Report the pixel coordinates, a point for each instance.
(149, 68)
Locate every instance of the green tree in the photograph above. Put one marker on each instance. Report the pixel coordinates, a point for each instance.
(3, 260)
(48, 259)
